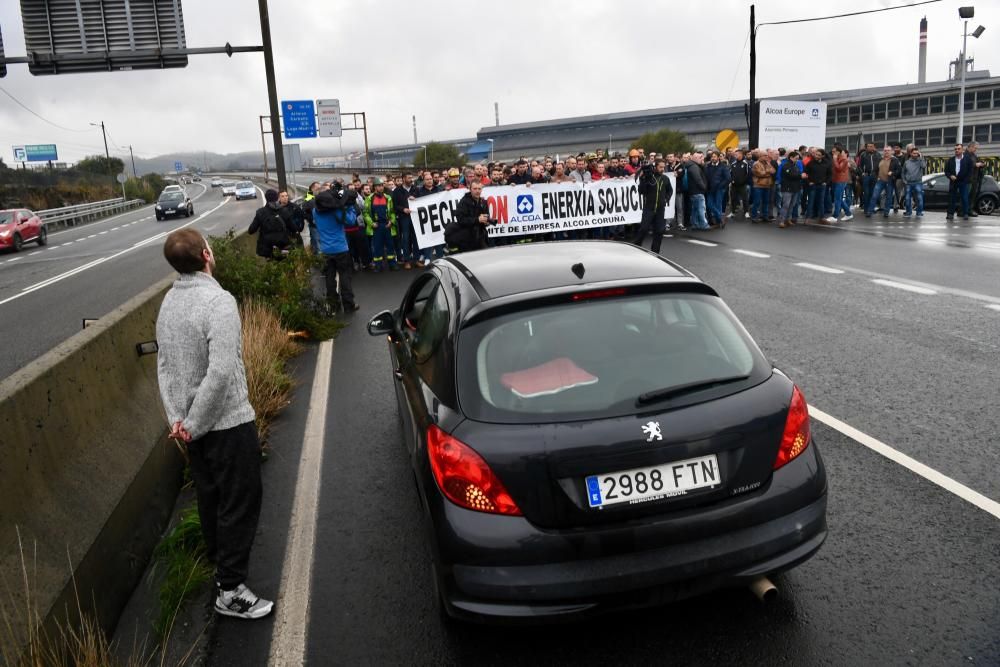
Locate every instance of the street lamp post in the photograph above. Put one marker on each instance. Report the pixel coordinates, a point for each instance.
(965, 13)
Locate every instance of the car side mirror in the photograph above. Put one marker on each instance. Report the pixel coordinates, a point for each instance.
(383, 324)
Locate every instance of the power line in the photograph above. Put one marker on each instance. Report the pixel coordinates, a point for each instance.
(840, 16)
(23, 106)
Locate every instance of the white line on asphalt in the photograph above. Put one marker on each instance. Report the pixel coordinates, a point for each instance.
(993, 306)
(96, 262)
(911, 464)
(752, 253)
(288, 639)
(67, 243)
(13, 259)
(30, 254)
(704, 243)
(104, 232)
(99, 222)
(114, 228)
(904, 286)
(92, 236)
(817, 267)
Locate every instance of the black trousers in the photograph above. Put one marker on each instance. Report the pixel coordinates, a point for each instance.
(360, 250)
(651, 219)
(225, 467)
(339, 269)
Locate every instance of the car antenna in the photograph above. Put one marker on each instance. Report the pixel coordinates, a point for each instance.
(578, 270)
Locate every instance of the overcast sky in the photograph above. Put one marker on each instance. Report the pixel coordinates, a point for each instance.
(447, 62)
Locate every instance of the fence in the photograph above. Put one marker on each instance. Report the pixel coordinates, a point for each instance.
(74, 215)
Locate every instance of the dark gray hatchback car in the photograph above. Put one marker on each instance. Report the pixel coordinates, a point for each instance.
(591, 428)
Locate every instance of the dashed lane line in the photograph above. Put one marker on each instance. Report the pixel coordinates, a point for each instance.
(707, 244)
(752, 253)
(993, 306)
(288, 639)
(817, 267)
(903, 286)
(930, 474)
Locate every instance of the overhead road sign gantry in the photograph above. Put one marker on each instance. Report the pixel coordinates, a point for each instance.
(299, 119)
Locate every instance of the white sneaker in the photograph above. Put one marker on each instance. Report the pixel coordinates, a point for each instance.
(730, 215)
(241, 602)
(848, 217)
(831, 219)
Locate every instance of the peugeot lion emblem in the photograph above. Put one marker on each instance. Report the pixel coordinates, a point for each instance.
(652, 431)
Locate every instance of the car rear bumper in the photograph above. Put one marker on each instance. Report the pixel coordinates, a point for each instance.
(565, 589)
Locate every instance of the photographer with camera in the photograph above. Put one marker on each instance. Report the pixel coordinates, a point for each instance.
(472, 216)
(332, 215)
(656, 191)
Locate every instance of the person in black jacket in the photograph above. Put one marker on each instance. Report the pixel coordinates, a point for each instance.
(739, 168)
(275, 229)
(293, 216)
(818, 174)
(959, 171)
(472, 216)
(409, 248)
(791, 188)
(656, 191)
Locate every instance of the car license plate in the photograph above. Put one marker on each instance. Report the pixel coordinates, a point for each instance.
(641, 485)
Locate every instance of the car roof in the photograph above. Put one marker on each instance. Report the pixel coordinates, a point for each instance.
(531, 267)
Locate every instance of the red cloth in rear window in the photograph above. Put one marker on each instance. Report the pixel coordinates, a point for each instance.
(549, 378)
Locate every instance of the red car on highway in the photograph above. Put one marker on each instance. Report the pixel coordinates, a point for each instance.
(19, 226)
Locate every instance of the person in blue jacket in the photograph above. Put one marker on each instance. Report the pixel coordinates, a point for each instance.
(330, 216)
(718, 176)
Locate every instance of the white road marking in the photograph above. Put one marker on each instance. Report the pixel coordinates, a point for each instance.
(92, 236)
(102, 233)
(114, 228)
(31, 254)
(67, 243)
(288, 639)
(704, 243)
(101, 222)
(96, 262)
(904, 286)
(14, 259)
(930, 474)
(993, 306)
(818, 267)
(752, 253)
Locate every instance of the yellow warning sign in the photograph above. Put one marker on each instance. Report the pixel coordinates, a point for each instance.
(726, 139)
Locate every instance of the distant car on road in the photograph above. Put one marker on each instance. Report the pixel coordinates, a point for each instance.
(228, 189)
(172, 204)
(596, 432)
(196, 179)
(245, 190)
(937, 194)
(216, 182)
(173, 188)
(19, 226)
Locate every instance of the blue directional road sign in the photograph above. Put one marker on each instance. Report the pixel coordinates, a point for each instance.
(178, 166)
(300, 119)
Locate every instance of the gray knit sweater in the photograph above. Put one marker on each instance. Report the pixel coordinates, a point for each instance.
(200, 361)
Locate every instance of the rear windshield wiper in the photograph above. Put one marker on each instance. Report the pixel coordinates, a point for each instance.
(681, 389)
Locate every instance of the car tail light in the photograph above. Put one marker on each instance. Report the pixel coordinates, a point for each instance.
(599, 294)
(464, 478)
(796, 436)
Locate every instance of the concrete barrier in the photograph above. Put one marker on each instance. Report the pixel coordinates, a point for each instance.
(87, 475)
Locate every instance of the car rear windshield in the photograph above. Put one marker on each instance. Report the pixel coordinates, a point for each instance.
(595, 358)
(172, 196)
(245, 185)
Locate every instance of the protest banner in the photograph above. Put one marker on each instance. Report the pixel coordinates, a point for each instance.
(521, 210)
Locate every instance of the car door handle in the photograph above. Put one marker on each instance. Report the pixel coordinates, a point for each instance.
(398, 374)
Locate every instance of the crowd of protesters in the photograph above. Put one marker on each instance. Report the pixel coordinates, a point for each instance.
(365, 225)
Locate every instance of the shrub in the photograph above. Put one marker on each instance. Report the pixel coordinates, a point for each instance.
(283, 286)
(186, 570)
(266, 348)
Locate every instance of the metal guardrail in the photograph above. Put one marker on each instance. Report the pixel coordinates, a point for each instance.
(74, 215)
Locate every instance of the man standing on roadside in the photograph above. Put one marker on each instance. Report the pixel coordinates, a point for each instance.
(333, 206)
(656, 192)
(204, 390)
(401, 196)
(977, 178)
(868, 165)
(959, 171)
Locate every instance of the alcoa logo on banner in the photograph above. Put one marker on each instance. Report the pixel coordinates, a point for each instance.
(815, 113)
(525, 210)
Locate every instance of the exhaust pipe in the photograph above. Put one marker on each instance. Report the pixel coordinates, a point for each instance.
(764, 589)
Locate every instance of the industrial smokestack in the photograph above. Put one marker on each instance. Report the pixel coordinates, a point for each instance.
(922, 66)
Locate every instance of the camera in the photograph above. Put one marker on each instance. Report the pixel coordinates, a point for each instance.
(646, 171)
